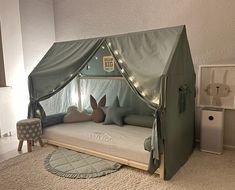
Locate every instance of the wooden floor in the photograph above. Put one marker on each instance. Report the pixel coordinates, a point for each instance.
(8, 148)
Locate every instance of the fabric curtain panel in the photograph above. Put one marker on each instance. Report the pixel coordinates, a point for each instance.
(111, 88)
(60, 101)
(144, 56)
(60, 65)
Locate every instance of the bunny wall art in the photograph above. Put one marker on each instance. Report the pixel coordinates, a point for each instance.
(217, 90)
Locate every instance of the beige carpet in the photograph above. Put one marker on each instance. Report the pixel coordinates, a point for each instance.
(202, 171)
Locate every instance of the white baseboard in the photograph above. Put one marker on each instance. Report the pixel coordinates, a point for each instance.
(227, 147)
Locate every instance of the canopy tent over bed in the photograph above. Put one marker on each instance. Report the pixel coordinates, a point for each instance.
(156, 65)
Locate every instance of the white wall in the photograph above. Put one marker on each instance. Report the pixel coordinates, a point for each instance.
(12, 41)
(2, 70)
(8, 115)
(38, 31)
(210, 27)
(27, 28)
(13, 106)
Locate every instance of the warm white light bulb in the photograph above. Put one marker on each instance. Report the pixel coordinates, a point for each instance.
(71, 75)
(116, 52)
(53, 90)
(122, 71)
(109, 44)
(96, 57)
(102, 47)
(143, 93)
(131, 78)
(136, 84)
(156, 100)
(120, 61)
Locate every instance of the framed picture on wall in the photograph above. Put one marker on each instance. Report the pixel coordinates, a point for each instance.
(217, 86)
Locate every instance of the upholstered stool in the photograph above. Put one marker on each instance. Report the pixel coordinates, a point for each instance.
(30, 130)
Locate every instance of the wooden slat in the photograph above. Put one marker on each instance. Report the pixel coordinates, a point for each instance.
(103, 77)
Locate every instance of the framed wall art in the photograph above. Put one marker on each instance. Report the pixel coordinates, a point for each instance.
(217, 86)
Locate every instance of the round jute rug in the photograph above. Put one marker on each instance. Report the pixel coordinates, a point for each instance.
(72, 164)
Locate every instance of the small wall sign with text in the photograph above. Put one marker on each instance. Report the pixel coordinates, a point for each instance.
(108, 63)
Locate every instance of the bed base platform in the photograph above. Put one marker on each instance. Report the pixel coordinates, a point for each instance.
(124, 161)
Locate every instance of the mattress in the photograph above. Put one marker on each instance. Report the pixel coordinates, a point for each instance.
(125, 142)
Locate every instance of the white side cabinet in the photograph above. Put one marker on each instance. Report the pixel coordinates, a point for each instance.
(212, 124)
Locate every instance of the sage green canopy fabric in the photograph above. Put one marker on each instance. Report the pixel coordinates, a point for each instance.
(156, 64)
(145, 56)
(61, 64)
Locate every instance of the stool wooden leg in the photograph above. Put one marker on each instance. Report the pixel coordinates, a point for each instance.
(40, 142)
(29, 145)
(32, 142)
(20, 145)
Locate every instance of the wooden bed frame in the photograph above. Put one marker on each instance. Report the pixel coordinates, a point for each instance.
(130, 163)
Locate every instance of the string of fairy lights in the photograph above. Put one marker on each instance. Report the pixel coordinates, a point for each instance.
(124, 70)
(132, 79)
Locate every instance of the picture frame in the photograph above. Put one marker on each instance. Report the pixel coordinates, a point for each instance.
(217, 86)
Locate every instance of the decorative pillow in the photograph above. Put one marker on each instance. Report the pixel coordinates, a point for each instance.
(97, 114)
(73, 116)
(115, 113)
(139, 120)
(72, 108)
(53, 119)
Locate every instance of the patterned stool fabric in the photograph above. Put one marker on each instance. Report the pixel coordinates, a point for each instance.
(30, 130)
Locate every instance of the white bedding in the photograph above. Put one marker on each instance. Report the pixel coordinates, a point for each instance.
(125, 142)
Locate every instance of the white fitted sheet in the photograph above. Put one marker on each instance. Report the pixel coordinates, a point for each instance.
(125, 142)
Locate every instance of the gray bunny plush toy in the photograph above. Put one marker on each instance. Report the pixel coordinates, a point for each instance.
(217, 90)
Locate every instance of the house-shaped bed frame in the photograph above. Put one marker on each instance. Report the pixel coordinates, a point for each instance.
(158, 67)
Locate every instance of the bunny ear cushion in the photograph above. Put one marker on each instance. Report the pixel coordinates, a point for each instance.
(102, 101)
(97, 114)
(93, 102)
